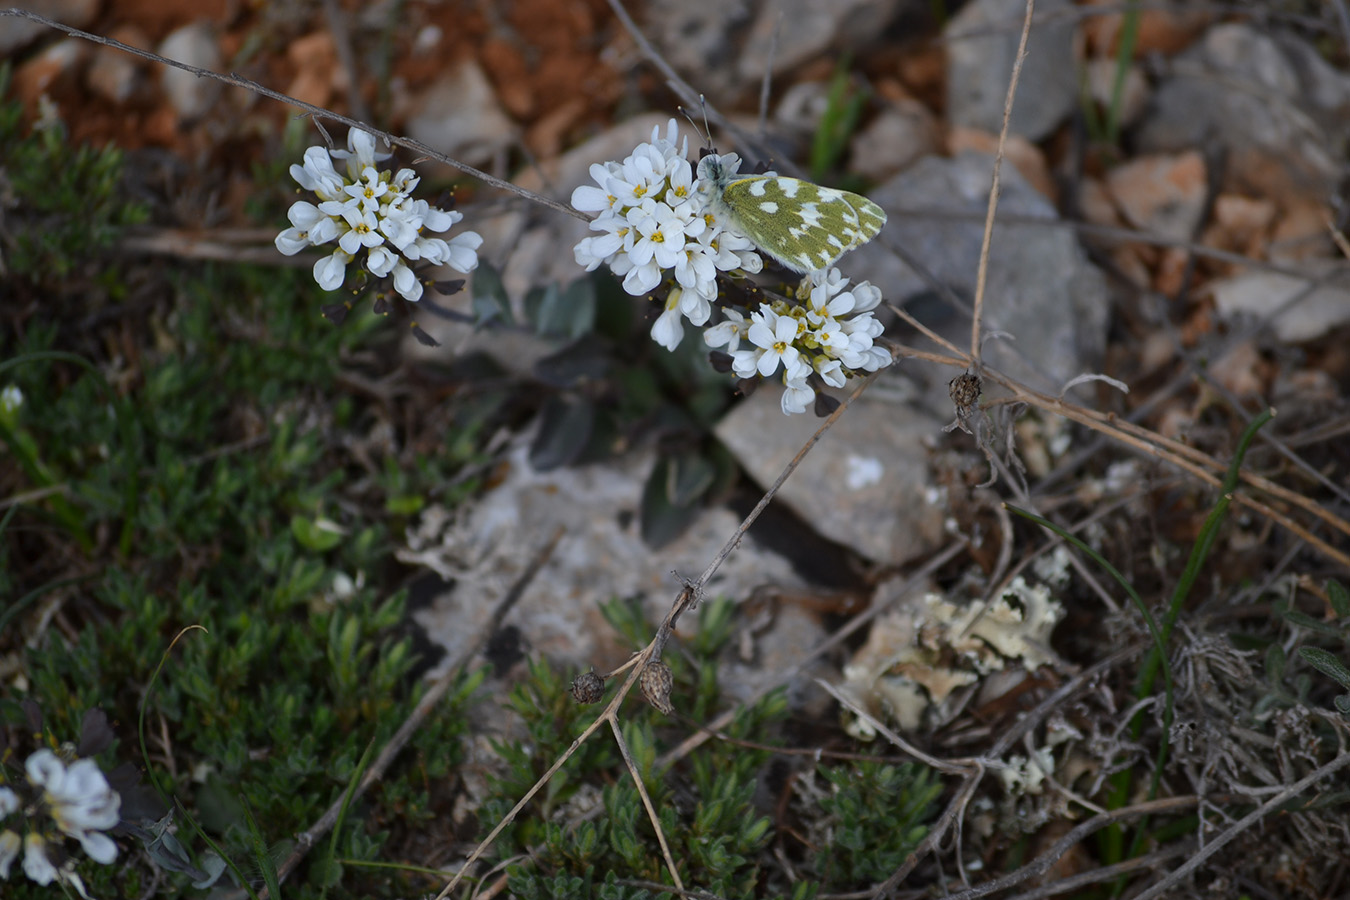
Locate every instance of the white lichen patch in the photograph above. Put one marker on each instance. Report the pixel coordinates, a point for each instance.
(919, 655)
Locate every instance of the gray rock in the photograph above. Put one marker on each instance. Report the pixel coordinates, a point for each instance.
(788, 33)
(697, 37)
(982, 44)
(1281, 112)
(862, 486)
(801, 108)
(459, 115)
(191, 95)
(600, 556)
(902, 132)
(113, 74)
(1295, 308)
(1041, 287)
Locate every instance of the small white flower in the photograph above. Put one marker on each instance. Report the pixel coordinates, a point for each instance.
(360, 153)
(774, 336)
(399, 227)
(80, 800)
(368, 190)
(9, 802)
(312, 228)
(668, 330)
(35, 863)
(797, 395)
(830, 370)
(464, 251)
(331, 271)
(866, 297)
(10, 844)
(406, 283)
(696, 269)
(728, 333)
(730, 251)
(380, 261)
(318, 175)
(829, 301)
(661, 234)
(11, 398)
(363, 231)
(589, 198)
(640, 279)
(404, 182)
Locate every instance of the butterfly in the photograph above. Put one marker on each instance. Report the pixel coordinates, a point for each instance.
(804, 226)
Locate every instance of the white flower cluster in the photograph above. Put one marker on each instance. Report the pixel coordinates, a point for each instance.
(652, 219)
(831, 335)
(655, 224)
(372, 210)
(79, 802)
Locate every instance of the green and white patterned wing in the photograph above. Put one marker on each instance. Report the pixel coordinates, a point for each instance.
(802, 225)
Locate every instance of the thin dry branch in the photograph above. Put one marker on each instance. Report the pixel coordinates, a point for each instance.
(982, 272)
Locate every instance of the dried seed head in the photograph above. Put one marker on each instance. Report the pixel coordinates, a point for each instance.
(656, 682)
(588, 687)
(965, 393)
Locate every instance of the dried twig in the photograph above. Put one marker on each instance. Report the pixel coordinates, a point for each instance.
(982, 273)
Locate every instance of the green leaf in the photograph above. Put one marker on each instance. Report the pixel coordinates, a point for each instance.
(1326, 663)
(567, 313)
(661, 520)
(565, 428)
(688, 477)
(316, 534)
(1275, 662)
(1305, 621)
(586, 359)
(490, 301)
(1339, 598)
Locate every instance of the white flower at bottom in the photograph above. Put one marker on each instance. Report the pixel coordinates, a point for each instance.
(10, 844)
(830, 370)
(406, 283)
(39, 868)
(331, 271)
(80, 801)
(668, 330)
(9, 801)
(35, 863)
(797, 395)
(11, 398)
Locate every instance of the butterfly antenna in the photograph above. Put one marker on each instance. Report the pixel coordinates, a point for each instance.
(705, 131)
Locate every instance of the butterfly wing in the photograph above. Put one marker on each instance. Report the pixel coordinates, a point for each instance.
(802, 225)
